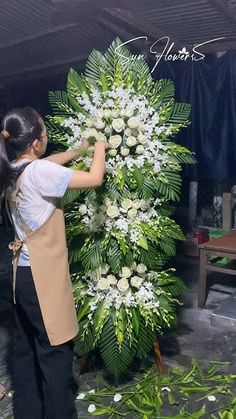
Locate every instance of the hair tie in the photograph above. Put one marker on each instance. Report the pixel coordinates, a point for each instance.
(5, 134)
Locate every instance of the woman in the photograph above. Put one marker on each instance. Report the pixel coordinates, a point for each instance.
(43, 302)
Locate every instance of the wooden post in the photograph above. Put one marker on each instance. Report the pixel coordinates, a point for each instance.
(202, 278)
(158, 357)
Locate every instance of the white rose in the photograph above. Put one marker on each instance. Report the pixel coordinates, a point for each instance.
(99, 124)
(115, 140)
(142, 139)
(124, 151)
(126, 272)
(107, 201)
(129, 112)
(113, 211)
(118, 124)
(131, 141)
(101, 137)
(136, 204)
(112, 279)
(144, 204)
(89, 122)
(107, 113)
(112, 152)
(115, 113)
(104, 269)
(99, 113)
(103, 283)
(141, 268)
(128, 132)
(123, 285)
(83, 209)
(139, 149)
(132, 122)
(136, 281)
(132, 213)
(126, 203)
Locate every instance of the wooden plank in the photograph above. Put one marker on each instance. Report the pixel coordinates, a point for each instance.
(220, 269)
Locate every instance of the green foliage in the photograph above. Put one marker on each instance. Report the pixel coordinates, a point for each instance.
(121, 334)
(179, 394)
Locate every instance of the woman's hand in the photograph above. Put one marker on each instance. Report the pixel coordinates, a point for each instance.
(85, 144)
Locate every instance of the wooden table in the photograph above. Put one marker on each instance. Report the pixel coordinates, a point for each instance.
(217, 248)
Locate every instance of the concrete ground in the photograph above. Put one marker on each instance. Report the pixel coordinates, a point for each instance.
(194, 335)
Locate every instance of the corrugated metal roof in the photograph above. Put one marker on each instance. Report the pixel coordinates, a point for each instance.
(41, 34)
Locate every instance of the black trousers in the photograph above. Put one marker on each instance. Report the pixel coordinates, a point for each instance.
(43, 379)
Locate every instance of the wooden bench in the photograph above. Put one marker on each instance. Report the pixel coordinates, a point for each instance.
(217, 248)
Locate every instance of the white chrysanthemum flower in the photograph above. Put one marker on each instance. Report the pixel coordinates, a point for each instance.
(103, 283)
(144, 205)
(136, 204)
(107, 130)
(101, 137)
(133, 122)
(127, 132)
(131, 141)
(136, 281)
(129, 112)
(99, 113)
(141, 268)
(126, 203)
(80, 396)
(92, 132)
(115, 140)
(126, 272)
(107, 113)
(132, 213)
(112, 279)
(124, 151)
(118, 124)
(117, 397)
(123, 285)
(99, 123)
(89, 122)
(112, 152)
(91, 408)
(104, 269)
(139, 149)
(113, 211)
(83, 209)
(142, 139)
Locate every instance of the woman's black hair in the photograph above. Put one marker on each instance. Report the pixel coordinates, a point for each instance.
(21, 127)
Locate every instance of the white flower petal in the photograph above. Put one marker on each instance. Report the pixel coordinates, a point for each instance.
(80, 396)
(211, 398)
(91, 408)
(117, 397)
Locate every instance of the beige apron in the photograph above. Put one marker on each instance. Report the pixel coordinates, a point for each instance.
(48, 256)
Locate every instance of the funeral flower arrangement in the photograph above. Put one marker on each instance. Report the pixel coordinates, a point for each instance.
(121, 235)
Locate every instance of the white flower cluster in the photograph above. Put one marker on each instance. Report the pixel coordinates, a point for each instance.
(122, 217)
(127, 122)
(131, 287)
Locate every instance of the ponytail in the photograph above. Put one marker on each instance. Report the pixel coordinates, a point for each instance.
(7, 172)
(20, 128)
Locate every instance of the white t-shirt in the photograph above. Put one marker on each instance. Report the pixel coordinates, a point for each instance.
(41, 183)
